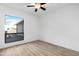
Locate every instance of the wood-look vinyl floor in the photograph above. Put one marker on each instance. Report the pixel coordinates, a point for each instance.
(37, 48)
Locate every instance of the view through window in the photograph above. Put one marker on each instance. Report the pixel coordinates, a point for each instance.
(14, 29)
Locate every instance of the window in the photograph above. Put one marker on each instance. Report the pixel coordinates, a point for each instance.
(14, 29)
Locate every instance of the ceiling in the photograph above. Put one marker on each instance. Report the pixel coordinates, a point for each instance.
(22, 7)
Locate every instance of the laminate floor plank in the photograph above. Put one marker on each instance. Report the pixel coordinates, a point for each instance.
(37, 48)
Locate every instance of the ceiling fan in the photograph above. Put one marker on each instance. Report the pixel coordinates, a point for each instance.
(38, 6)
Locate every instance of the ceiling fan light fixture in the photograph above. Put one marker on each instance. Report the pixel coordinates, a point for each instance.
(37, 5)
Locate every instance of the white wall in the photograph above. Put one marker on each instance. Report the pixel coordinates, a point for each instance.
(61, 27)
(30, 26)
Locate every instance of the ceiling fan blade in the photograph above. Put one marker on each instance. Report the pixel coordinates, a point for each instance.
(30, 6)
(36, 10)
(43, 8)
(42, 3)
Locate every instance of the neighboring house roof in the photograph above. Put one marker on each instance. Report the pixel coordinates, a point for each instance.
(19, 21)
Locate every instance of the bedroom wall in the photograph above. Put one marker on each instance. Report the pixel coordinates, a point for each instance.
(61, 27)
(30, 26)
